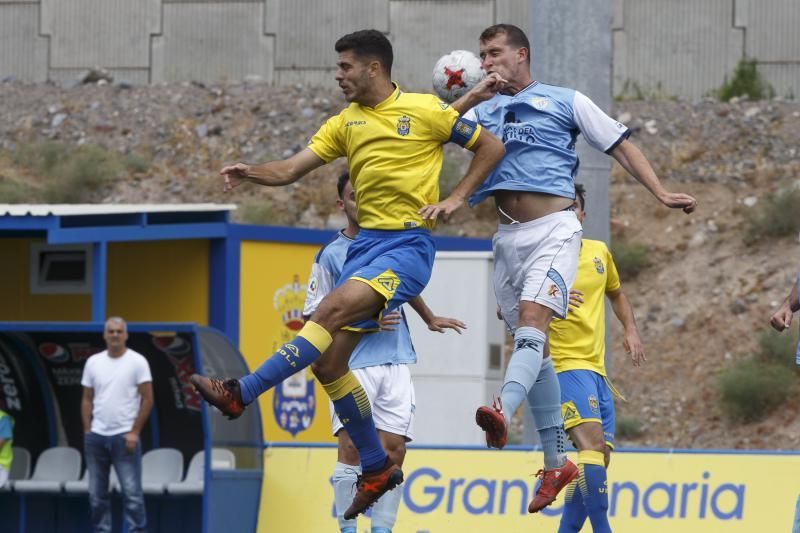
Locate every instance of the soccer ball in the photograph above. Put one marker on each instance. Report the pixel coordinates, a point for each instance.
(455, 74)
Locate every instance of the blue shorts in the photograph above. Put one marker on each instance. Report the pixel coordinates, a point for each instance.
(396, 264)
(586, 397)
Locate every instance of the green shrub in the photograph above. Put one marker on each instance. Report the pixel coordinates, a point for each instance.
(777, 348)
(15, 192)
(630, 258)
(80, 173)
(774, 217)
(137, 163)
(751, 388)
(746, 81)
(69, 174)
(629, 427)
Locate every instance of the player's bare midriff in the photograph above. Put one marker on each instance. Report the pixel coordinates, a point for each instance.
(524, 206)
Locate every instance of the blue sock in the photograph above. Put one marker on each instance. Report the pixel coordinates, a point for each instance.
(593, 485)
(355, 412)
(523, 369)
(344, 483)
(290, 358)
(544, 400)
(384, 512)
(574, 515)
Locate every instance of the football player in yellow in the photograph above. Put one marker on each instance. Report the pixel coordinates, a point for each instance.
(577, 346)
(393, 144)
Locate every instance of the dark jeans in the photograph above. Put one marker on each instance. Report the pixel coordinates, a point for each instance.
(101, 452)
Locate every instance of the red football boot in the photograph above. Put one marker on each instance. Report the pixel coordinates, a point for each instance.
(492, 421)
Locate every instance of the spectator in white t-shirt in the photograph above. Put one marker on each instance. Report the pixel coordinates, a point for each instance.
(117, 399)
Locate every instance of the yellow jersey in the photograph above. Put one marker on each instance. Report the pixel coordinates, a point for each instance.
(394, 152)
(578, 342)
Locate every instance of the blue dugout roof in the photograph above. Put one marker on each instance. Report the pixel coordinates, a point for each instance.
(94, 223)
(100, 224)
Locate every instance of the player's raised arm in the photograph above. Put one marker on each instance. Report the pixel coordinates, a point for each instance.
(488, 151)
(631, 158)
(273, 173)
(483, 90)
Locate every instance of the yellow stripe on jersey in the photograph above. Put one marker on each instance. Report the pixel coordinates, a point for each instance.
(394, 152)
(578, 342)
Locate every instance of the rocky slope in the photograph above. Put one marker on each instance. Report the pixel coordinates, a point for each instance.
(700, 304)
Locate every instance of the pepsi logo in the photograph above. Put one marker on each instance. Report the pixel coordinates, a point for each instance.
(54, 353)
(171, 344)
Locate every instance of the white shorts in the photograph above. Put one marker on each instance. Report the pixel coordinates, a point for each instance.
(391, 394)
(536, 261)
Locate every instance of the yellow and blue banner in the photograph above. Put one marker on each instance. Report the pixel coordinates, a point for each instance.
(448, 490)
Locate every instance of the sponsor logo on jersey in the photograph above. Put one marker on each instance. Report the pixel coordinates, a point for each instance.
(404, 125)
(443, 105)
(350, 123)
(553, 290)
(598, 265)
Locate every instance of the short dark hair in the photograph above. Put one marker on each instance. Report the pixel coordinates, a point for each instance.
(342, 183)
(580, 194)
(515, 37)
(370, 44)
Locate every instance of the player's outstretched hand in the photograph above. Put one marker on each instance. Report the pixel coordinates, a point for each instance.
(444, 208)
(782, 318)
(390, 320)
(680, 200)
(440, 323)
(633, 345)
(575, 298)
(234, 175)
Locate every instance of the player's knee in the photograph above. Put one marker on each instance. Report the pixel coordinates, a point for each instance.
(322, 370)
(348, 454)
(332, 313)
(396, 450)
(536, 317)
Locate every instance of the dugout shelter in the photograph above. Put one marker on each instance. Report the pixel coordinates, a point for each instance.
(198, 291)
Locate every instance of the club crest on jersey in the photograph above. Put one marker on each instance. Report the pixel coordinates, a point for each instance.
(598, 265)
(404, 125)
(540, 103)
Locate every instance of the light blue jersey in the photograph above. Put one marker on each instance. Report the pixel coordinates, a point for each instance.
(381, 348)
(539, 126)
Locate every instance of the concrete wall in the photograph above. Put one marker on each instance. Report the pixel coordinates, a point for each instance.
(670, 47)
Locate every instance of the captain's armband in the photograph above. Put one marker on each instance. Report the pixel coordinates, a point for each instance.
(464, 132)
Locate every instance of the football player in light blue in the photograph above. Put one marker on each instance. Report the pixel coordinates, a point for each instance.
(381, 362)
(538, 239)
